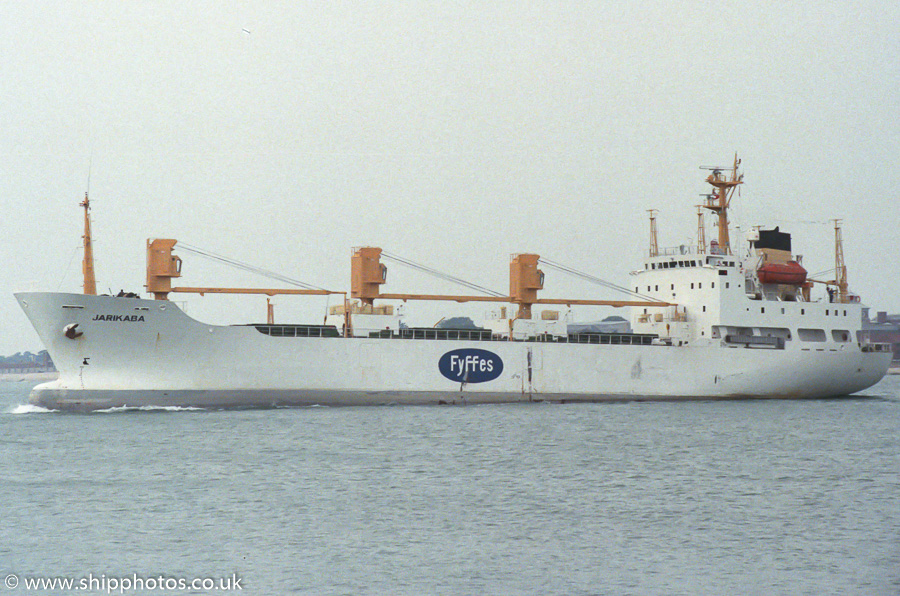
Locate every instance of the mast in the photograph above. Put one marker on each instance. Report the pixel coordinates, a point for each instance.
(654, 241)
(722, 198)
(87, 263)
(840, 268)
(701, 231)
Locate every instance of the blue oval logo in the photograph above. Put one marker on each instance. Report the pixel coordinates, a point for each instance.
(470, 365)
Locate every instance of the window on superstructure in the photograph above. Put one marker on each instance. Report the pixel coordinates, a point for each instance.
(700, 286)
(762, 309)
(802, 311)
(692, 285)
(840, 335)
(817, 335)
(845, 313)
(826, 312)
(727, 285)
(673, 286)
(704, 309)
(656, 288)
(714, 285)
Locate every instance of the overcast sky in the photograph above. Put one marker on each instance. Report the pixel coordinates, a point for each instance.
(451, 133)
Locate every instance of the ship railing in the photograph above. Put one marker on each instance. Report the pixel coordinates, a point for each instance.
(625, 339)
(298, 330)
(615, 339)
(434, 333)
(669, 251)
(629, 339)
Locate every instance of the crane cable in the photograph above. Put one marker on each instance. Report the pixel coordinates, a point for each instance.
(206, 254)
(440, 274)
(596, 280)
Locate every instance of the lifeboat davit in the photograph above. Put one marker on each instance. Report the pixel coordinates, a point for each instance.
(790, 273)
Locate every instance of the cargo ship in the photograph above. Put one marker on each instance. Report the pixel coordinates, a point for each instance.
(706, 323)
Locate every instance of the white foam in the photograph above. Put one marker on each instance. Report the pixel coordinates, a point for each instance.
(29, 409)
(149, 409)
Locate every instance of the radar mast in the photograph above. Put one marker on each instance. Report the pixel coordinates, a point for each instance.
(720, 201)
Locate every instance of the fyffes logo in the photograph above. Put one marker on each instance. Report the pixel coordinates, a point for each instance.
(470, 365)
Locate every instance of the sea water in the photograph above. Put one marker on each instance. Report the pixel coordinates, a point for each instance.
(700, 497)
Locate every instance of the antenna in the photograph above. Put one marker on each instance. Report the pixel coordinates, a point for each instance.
(701, 231)
(90, 167)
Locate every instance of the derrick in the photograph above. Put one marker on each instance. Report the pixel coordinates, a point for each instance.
(525, 280)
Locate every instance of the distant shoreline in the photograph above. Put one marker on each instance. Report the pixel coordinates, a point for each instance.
(29, 376)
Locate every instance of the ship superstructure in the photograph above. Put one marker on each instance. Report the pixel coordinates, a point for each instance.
(760, 301)
(706, 323)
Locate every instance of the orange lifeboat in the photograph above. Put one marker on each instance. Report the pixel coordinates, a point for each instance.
(790, 273)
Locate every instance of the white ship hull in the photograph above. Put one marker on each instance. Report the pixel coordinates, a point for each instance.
(135, 352)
